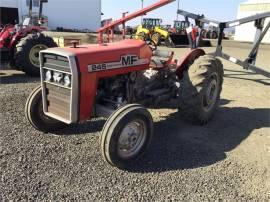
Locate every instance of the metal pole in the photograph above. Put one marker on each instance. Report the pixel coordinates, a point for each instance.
(260, 33)
(178, 7)
(30, 8)
(142, 16)
(124, 26)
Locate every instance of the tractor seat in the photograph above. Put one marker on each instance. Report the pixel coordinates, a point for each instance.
(161, 58)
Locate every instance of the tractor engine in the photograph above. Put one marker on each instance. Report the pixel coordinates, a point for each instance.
(149, 87)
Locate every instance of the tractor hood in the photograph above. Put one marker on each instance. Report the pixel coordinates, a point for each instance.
(96, 54)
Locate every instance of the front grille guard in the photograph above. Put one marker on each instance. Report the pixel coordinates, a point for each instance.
(74, 102)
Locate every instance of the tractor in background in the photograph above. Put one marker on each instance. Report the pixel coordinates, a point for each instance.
(151, 28)
(178, 34)
(20, 44)
(179, 27)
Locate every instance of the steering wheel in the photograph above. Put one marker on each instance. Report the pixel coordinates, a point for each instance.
(151, 44)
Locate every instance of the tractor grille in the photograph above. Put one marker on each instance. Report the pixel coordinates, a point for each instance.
(58, 100)
(57, 96)
(56, 62)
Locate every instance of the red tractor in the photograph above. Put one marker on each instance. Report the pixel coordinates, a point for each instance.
(20, 44)
(119, 80)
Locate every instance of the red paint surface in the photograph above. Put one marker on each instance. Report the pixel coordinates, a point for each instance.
(112, 52)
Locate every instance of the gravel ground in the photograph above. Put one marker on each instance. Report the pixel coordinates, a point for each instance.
(227, 159)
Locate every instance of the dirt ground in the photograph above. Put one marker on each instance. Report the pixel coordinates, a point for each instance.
(227, 159)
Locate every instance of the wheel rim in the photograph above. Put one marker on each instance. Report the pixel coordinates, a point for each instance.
(131, 139)
(211, 94)
(34, 53)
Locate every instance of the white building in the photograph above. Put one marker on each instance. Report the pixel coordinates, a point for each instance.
(70, 14)
(247, 31)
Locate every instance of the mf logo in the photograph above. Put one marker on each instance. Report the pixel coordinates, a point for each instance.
(125, 61)
(129, 60)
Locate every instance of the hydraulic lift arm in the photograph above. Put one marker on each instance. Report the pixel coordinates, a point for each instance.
(249, 62)
(199, 19)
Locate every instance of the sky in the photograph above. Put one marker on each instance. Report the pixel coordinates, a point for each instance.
(221, 10)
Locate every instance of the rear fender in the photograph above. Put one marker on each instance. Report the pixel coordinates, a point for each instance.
(24, 32)
(183, 64)
(5, 37)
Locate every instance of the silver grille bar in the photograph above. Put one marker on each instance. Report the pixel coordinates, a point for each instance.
(60, 102)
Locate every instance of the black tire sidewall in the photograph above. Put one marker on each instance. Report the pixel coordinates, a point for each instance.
(205, 115)
(23, 49)
(32, 110)
(114, 131)
(193, 90)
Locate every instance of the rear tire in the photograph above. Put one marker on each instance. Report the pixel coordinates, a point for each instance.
(214, 35)
(35, 115)
(27, 52)
(200, 89)
(126, 135)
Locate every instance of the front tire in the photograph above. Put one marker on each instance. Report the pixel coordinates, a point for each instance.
(27, 52)
(126, 135)
(200, 89)
(35, 115)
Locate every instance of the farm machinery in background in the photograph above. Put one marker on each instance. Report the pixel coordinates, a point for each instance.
(184, 33)
(151, 29)
(180, 26)
(181, 34)
(20, 44)
(210, 32)
(178, 34)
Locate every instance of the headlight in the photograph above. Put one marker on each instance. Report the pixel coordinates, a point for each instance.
(48, 75)
(57, 77)
(67, 81)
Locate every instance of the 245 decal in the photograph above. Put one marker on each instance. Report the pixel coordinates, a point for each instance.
(99, 67)
(125, 61)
